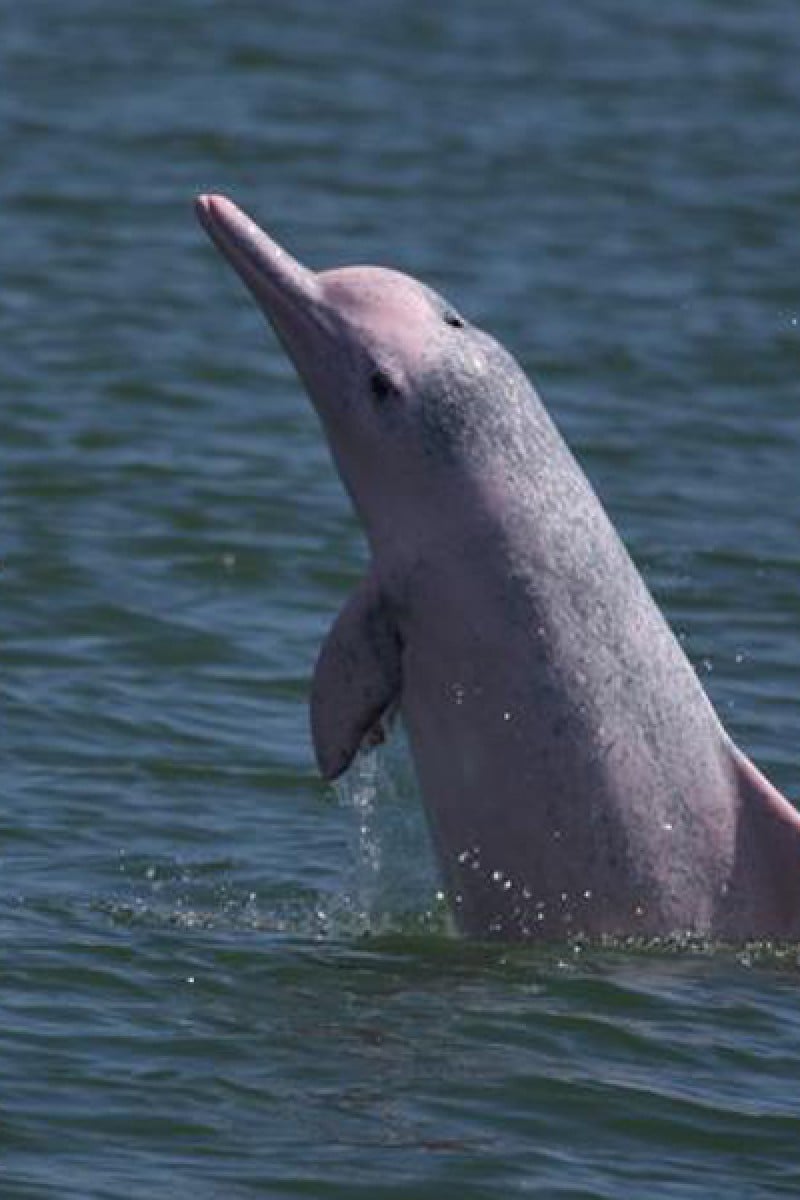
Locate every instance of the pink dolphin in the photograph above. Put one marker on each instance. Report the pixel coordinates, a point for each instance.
(575, 776)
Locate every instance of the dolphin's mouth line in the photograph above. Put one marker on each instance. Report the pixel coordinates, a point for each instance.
(282, 286)
(232, 245)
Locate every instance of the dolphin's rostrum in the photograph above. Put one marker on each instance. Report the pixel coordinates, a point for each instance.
(575, 776)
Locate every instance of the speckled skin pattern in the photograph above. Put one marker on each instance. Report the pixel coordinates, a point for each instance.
(576, 779)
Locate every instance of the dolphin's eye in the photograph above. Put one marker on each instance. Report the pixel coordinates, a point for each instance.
(452, 318)
(381, 385)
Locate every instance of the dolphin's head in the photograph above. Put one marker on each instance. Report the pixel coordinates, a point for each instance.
(406, 389)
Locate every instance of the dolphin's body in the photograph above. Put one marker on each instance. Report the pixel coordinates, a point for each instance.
(575, 775)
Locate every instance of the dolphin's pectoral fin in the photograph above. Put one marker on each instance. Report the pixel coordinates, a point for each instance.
(357, 681)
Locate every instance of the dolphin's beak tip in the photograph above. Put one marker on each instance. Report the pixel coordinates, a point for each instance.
(208, 204)
(202, 205)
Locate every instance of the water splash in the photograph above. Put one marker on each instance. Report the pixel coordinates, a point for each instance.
(388, 883)
(393, 884)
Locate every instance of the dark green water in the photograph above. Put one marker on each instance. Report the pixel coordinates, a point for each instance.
(219, 979)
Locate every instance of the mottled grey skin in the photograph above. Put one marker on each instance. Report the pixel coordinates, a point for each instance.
(576, 778)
